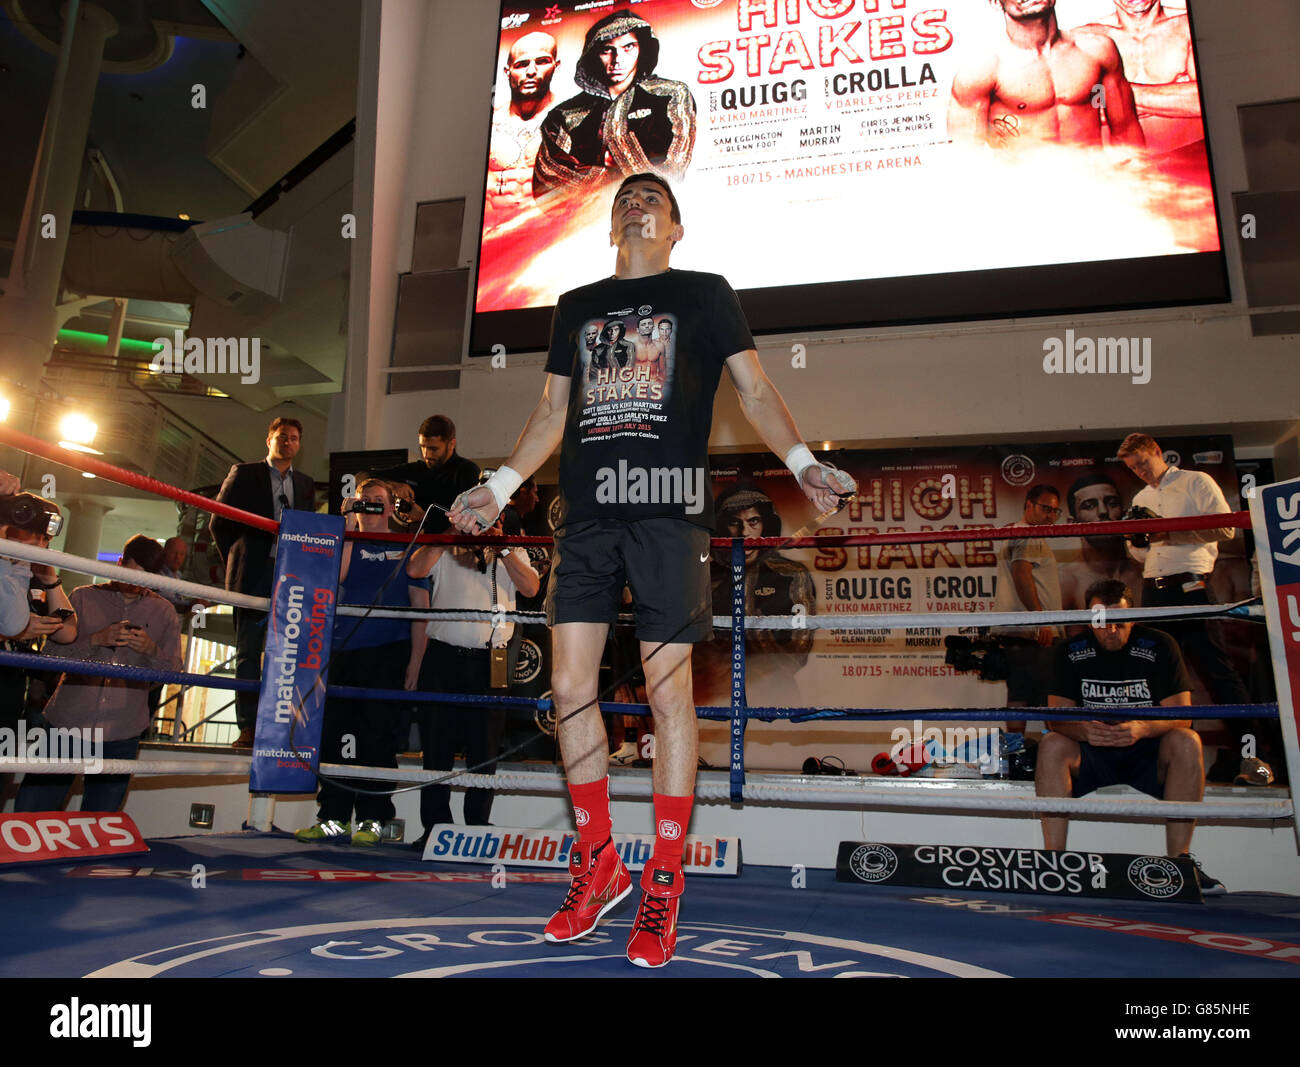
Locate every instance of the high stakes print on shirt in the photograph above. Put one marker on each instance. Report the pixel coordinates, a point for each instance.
(627, 363)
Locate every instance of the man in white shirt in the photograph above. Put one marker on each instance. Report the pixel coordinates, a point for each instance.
(456, 657)
(1176, 568)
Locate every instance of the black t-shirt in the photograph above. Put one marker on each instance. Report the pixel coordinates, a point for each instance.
(1140, 675)
(636, 439)
(435, 485)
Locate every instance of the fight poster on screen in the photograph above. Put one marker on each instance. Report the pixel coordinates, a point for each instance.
(924, 490)
(927, 137)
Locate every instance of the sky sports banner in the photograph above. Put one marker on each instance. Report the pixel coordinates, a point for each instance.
(932, 134)
(44, 836)
(1275, 518)
(291, 708)
(931, 489)
(550, 848)
(1019, 870)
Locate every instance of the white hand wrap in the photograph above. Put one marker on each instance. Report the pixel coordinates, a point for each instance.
(839, 482)
(502, 484)
(799, 459)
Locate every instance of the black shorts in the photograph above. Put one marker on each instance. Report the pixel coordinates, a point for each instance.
(664, 561)
(1137, 765)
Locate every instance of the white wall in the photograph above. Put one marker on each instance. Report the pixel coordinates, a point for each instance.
(925, 385)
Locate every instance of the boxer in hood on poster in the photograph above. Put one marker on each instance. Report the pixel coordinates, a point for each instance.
(625, 120)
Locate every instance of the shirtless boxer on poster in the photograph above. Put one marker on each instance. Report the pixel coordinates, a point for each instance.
(650, 351)
(517, 126)
(1043, 84)
(1160, 66)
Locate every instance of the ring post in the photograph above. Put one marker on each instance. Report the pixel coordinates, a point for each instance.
(1275, 518)
(738, 712)
(299, 633)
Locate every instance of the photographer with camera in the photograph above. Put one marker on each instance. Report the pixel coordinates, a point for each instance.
(439, 475)
(14, 576)
(465, 657)
(368, 652)
(33, 602)
(1176, 569)
(34, 595)
(122, 624)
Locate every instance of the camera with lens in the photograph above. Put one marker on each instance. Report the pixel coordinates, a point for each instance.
(365, 507)
(28, 511)
(982, 654)
(1137, 511)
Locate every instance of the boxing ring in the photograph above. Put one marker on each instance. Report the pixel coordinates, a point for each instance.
(381, 916)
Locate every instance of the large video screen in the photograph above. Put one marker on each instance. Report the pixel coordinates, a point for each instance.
(855, 162)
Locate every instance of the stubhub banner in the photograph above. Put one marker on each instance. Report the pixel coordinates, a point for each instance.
(1275, 519)
(550, 848)
(291, 707)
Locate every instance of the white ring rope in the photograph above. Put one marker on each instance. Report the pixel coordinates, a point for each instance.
(857, 621)
(235, 766)
(860, 792)
(159, 582)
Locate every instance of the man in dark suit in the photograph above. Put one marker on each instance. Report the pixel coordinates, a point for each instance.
(264, 488)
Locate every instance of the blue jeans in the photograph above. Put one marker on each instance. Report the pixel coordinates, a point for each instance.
(101, 792)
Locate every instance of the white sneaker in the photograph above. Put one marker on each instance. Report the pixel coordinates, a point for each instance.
(625, 755)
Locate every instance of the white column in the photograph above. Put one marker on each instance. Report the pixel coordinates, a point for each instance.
(85, 531)
(28, 323)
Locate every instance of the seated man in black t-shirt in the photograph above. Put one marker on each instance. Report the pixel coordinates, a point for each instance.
(1114, 666)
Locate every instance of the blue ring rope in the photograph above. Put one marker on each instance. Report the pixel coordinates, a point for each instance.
(33, 661)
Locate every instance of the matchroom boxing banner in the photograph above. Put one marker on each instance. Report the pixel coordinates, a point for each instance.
(929, 138)
(916, 490)
(1275, 517)
(299, 631)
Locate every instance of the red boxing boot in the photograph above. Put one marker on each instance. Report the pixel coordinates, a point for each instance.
(599, 882)
(654, 934)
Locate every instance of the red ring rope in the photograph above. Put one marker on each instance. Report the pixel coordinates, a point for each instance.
(81, 461)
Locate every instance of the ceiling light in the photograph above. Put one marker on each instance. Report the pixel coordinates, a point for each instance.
(76, 432)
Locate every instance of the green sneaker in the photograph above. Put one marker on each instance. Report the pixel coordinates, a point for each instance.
(369, 832)
(324, 831)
